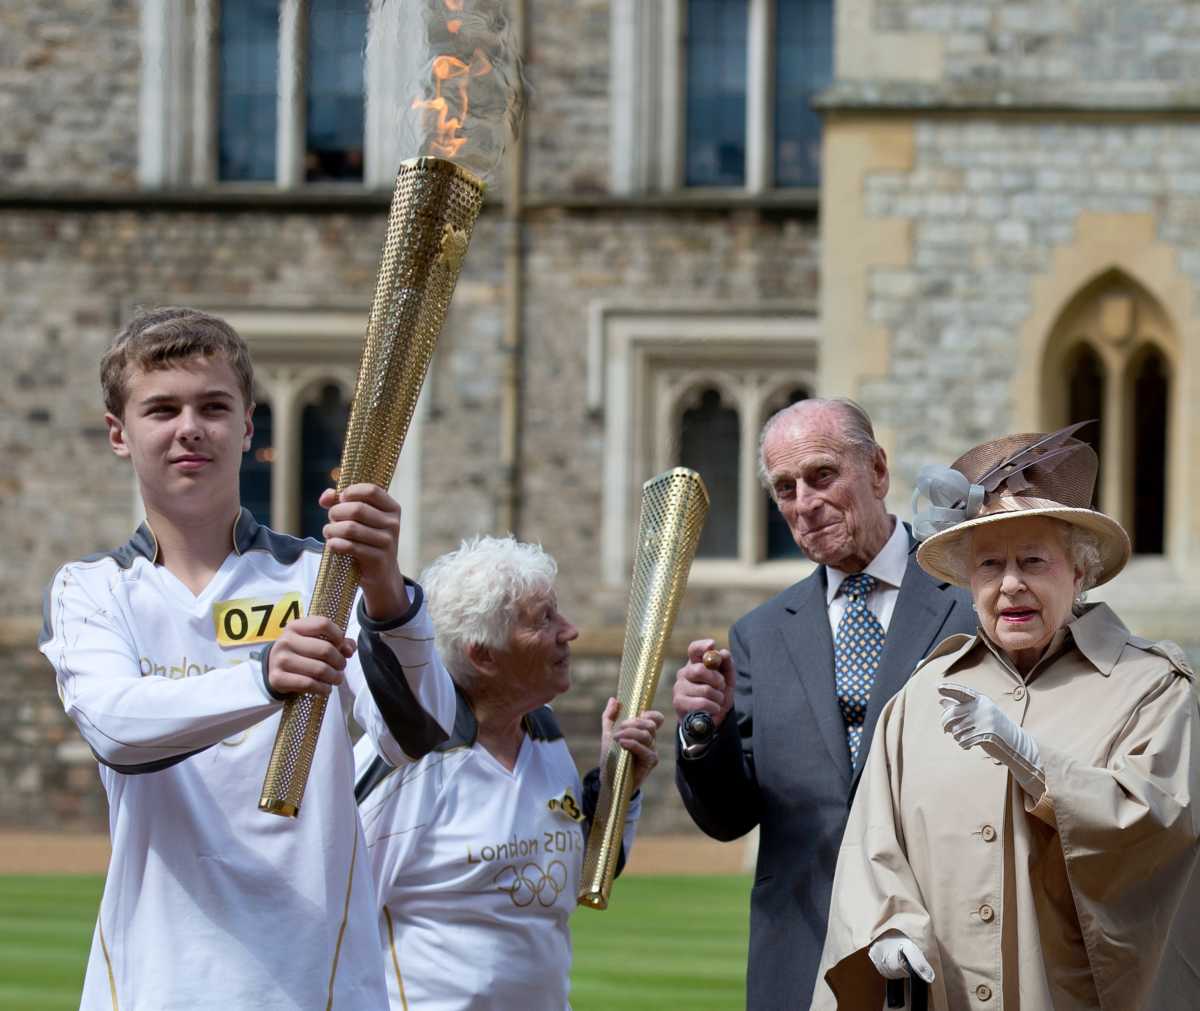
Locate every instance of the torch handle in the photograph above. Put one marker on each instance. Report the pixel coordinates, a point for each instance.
(608, 828)
(300, 723)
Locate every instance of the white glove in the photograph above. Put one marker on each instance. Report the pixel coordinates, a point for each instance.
(974, 719)
(895, 956)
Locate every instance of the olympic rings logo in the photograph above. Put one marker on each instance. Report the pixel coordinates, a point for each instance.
(531, 884)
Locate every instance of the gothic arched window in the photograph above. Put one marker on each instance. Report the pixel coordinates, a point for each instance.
(1110, 357)
(322, 429)
(780, 542)
(256, 465)
(694, 389)
(1085, 397)
(709, 443)
(1150, 387)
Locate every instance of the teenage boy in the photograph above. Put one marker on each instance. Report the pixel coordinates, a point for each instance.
(173, 654)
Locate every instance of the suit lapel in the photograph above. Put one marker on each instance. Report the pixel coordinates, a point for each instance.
(809, 643)
(921, 610)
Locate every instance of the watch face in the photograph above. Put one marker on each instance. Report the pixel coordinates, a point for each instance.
(698, 727)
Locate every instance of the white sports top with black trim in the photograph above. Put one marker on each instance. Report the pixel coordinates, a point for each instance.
(477, 870)
(210, 903)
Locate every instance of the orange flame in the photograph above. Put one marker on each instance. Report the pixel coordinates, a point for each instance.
(456, 75)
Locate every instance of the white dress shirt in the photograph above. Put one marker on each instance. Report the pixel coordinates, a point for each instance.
(887, 567)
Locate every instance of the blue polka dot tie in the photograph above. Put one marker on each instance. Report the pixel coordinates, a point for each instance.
(856, 650)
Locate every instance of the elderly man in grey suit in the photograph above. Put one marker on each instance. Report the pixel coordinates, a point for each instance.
(797, 695)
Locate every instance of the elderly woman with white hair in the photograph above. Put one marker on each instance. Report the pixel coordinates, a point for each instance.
(1025, 835)
(477, 849)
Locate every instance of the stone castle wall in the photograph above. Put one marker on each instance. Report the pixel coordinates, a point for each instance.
(990, 202)
(69, 93)
(1101, 45)
(73, 276)
(987, 202)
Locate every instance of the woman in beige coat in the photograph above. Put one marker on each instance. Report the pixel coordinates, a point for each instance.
(1024, 835)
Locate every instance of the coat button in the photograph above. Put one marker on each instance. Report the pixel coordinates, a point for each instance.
(983, 992)
(987, 913)
(988, 833)
(1019, 693)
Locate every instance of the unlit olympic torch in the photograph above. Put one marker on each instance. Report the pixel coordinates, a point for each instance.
(674, 507)
(433, 211)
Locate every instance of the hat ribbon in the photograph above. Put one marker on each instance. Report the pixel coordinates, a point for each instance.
(952, 499)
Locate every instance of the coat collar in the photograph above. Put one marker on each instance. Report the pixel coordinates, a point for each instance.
(1096, 632)
(1100, 636)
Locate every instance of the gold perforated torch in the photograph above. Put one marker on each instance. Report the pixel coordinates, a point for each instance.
(434, 206)
(674, 507)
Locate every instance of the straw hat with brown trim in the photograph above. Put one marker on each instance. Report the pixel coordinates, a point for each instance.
(1016, 477)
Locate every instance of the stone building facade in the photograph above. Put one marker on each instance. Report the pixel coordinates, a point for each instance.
(1001, 236)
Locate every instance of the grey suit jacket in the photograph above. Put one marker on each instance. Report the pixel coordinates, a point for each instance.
(783, 764)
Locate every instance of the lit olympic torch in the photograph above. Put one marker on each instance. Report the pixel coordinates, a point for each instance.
(433, 211)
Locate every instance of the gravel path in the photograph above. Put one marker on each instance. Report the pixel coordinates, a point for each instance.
(51, 853)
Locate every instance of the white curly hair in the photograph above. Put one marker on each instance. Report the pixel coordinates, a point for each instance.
(474, 595)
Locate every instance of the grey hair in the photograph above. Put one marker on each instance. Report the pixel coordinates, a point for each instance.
(856, 428)
(1083, 549)
(474, 595)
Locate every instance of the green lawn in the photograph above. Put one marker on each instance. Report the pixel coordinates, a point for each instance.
(45, 933)
(664, 943)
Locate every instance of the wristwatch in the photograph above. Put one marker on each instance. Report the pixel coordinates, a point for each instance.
(696, 732)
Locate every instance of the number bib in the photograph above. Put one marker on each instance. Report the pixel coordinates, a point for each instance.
(250, 620)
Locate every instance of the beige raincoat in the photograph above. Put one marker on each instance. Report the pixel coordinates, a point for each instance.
(1089, 898)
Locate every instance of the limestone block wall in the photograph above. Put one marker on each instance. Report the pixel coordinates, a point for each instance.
(567, 129)
(988, 203)
(978, 233)
(69, 93)
(1102, 45)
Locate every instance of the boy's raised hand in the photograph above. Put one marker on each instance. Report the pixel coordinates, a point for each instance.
(364, 522)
